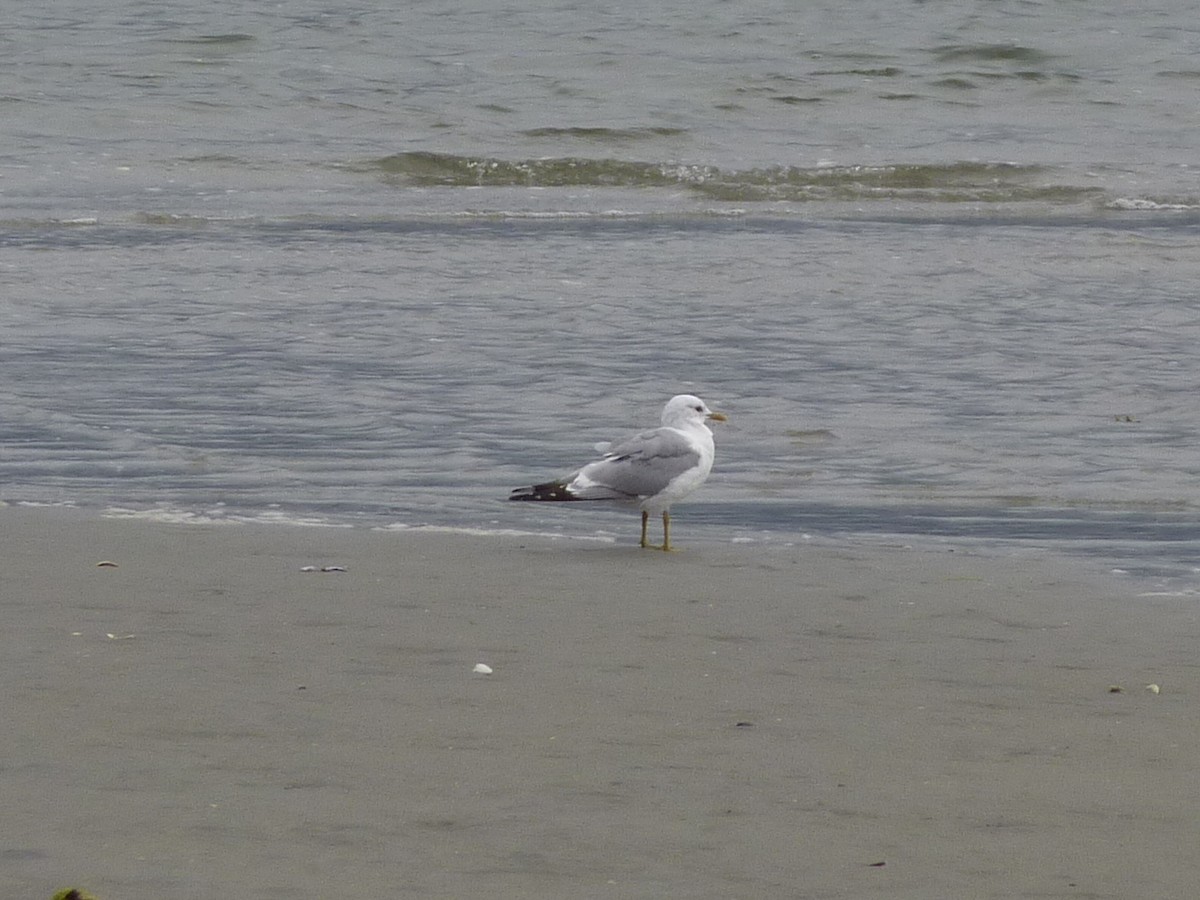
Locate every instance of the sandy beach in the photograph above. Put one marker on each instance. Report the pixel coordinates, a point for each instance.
(205, 720)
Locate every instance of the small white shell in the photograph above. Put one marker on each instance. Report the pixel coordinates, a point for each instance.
(482, 669)
(1153, 688)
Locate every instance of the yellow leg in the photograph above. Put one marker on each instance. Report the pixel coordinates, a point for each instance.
(666, 530)
(645, 519)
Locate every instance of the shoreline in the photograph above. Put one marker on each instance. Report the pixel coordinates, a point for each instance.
(1161, 563)
(206, 719)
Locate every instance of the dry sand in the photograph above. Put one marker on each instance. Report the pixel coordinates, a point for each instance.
(207, 721)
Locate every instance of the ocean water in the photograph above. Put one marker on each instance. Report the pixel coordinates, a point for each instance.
(938, 262)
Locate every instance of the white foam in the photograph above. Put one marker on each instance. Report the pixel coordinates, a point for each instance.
(1139, 203)
(174, 516)
(493, 532)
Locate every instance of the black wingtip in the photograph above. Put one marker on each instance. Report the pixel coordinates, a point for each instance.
(551, 490)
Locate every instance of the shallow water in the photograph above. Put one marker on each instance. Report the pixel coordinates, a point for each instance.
(939, 267)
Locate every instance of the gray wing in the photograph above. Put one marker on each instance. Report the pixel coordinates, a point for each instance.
(641, 466)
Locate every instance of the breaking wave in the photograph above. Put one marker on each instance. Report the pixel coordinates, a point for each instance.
(961, 182)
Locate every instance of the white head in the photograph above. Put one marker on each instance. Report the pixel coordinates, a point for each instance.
(685, 410)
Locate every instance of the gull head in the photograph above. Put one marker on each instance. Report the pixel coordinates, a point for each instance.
(685, 410)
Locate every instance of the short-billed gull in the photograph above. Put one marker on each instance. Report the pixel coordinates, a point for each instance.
(652, 469)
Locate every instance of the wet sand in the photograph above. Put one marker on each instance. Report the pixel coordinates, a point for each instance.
(205, 720)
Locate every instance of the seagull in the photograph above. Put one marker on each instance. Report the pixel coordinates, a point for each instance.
(652, 469)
